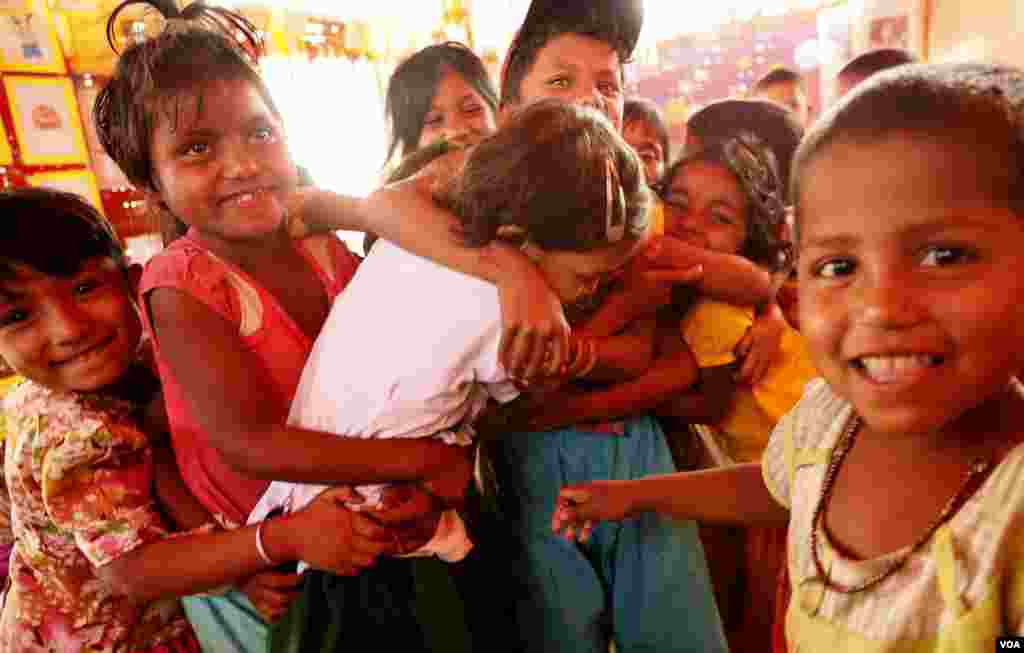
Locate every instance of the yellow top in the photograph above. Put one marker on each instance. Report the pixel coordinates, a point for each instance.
(657, 218)
(712, 330)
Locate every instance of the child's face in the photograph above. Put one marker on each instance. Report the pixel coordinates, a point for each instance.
(577, 69)
(910, 281)
(642, 138)
(70, 334)
(222, 164)
(704, 206)
(457, 113)
(574, 276)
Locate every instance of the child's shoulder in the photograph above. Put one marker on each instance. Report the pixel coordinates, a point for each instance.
(183, 262)
(819, 415)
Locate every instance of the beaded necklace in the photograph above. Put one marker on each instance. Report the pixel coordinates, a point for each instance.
(975, 472)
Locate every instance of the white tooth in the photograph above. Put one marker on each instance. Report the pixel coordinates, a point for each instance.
(889, 367)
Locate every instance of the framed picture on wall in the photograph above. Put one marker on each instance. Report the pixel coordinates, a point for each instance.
(28, 41)
(46, 120)
(80, 182)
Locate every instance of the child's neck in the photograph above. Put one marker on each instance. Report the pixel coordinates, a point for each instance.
(250, 254)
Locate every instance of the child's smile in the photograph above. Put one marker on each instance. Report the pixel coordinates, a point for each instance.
(909, 279)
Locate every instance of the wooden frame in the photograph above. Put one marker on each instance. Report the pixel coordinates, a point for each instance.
(81, 182)
(28, 40)
(46, 120)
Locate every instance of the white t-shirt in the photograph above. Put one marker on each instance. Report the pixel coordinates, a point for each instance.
(409, 350)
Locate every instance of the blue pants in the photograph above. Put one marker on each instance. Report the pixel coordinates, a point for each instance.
(227, 623)
(643, 582)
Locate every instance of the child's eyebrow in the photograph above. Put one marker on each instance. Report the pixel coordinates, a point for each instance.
(841, 241)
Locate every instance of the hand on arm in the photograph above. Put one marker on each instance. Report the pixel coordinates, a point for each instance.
(759, 347)
(727, 495)
(727, 277)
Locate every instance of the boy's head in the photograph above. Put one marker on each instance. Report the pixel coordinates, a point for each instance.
(559, 180)
(909, 205)
(155, 78)
(415, 84)
(575, 52)
(727, 198)
(786, 87)
(644, 129)
(68, 318)
(773, 124)
(867, 64)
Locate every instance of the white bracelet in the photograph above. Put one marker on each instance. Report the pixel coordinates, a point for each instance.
(259, 545)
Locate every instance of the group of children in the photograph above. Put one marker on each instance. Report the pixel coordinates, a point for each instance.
(592, 312)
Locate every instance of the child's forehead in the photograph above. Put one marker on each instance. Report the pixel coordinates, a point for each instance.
(194, 105)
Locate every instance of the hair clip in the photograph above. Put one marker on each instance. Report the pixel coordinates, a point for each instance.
(615, 208)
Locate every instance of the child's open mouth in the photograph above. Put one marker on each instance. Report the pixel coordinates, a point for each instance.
(895, 368)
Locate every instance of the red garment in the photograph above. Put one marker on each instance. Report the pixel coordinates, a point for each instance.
(265, 329)
(187, 644)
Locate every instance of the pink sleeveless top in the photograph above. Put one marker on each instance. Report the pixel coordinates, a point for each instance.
(264, 328)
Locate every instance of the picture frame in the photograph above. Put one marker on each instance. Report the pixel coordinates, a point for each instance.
(81, 182)
(28, 40)
(47, 122)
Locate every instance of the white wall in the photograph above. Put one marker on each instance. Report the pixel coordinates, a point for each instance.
(965, 30)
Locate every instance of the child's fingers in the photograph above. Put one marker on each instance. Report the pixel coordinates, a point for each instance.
(516, 351)
(586, 530)
(572, 496)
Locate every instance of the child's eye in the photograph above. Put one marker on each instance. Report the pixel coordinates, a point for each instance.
(834, 268)
(940, 256)
(13, 316)
(86, 286)
(559, 82)
(432, 121)
(472, 109)
(196, 149)
(263, 135)
(723, 218)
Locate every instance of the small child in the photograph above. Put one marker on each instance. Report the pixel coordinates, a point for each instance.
(900, 472)
(93, 566)
(727, 198)
(437, 377)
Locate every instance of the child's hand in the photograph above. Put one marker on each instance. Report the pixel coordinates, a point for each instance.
(580, 506)
(450, 485)
(668, 260)
(760, 345)
(648, 281)
(332, 537)
(271, 593)
(535, 337)
(411, 513)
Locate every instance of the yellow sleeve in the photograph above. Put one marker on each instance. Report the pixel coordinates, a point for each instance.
(713, 329)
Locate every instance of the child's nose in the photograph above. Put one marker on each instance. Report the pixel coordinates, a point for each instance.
(887, 301)
(68, 323)
(239, 162)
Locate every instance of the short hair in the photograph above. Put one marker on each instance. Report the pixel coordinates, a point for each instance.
(414, 83)
(868, 63)
(198, 44)
(774, 124)
(645, 111)
(54, 233)
(608, 22)
(544, 173)
(780, 75)
(980, 104)
(753, 166)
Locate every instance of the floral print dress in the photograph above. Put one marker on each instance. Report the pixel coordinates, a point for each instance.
(80, 475)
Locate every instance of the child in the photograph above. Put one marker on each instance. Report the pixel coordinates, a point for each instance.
(233, 307)
(786, 87)
(900, 471)
(443, 92)
(644, 129)
(9, 380)
(437, 378)
(869, 63)
(93, 566)
(727, 198)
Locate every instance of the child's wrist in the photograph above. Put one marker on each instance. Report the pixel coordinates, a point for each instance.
(278, 536)
(503, 263)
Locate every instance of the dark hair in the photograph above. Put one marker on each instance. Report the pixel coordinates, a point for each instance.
(773, 124)
(413, 85)
(545, 174)
(53, 232)
(591, 20)
(780, 75)
(979, 107)
(753, 165)
(868, 63)
(645, 111)
(197, 45)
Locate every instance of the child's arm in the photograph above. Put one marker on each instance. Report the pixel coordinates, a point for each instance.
(759, 348)
(225, 387)
(725, 495)
(170, 567)
(707, 402)
(672, 371)
(729, 278)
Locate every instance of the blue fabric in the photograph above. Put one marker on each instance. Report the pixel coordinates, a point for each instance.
(643, 581)
(227, 623)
